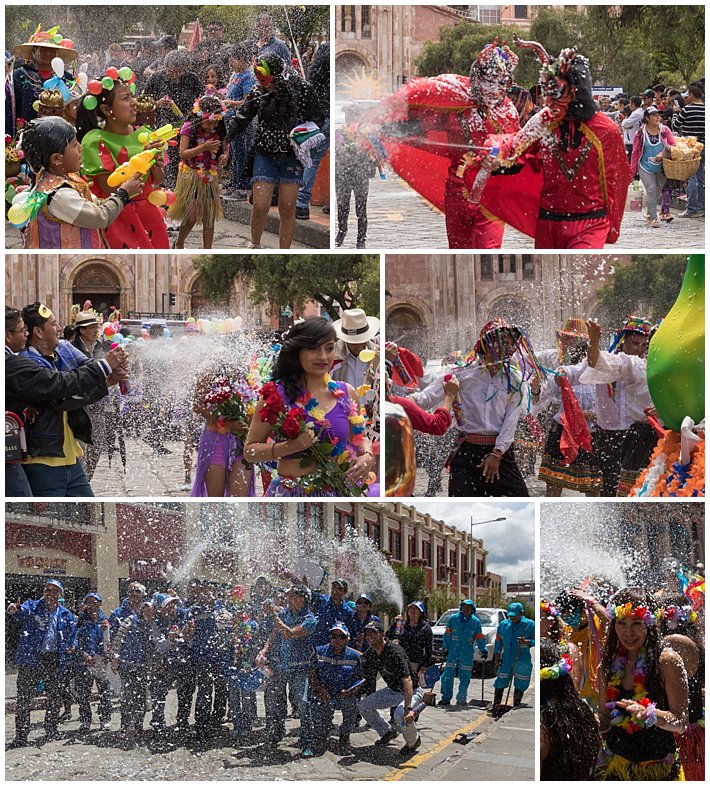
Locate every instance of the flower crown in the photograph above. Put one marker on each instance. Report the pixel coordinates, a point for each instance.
(674, 615)
(630, 610)
(557, 670)
(203, 115)
(548, 609)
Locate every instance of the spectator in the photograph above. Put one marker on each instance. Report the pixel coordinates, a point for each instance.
(650, 143)
(690, 121)
(632, 124)
(658, 92)
(648, 99)
(266, 42)
(164, 45)
(240, 84)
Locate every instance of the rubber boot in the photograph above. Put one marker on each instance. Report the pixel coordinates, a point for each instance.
(497, 699)
(517, 697)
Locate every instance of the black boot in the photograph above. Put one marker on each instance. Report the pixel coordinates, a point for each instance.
(339, 238)
(497, 699)
(517, 696)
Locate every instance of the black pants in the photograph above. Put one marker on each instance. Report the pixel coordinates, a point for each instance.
(46, 670)
(83, 681)
(134, 684)
(182, 676)
(607, 448)
(211, 702)
(360, 188)
(466, 480)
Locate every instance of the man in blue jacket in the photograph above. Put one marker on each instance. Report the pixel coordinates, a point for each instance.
(92, 656)
(47, 630)
(330, 609)
(463, 632)
(514, 638)
(362, 617)
(335, 668)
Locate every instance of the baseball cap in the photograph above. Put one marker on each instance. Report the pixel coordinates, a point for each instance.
(342, 582)
(468, 602)
(514, 609)
(339, 626)
(54, 583)
(374, 625)
(94, 595)
(418, 604)
(364, 596)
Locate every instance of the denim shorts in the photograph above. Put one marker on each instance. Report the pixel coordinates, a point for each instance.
(284, 169)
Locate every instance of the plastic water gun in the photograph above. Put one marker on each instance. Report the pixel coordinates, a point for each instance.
(163, 134)
(174, 108)
(139, 164)
(25, 208)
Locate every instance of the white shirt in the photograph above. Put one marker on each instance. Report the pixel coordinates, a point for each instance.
(631, 125)
(586, 394)
(631, 394)
(487, 406)
(355, 370)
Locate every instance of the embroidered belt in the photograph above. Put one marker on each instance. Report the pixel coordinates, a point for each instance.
(478, 439)
(550, 216)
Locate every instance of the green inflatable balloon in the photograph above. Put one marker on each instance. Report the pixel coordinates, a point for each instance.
(676, 355)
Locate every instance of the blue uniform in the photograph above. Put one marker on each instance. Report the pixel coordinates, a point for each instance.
(335, 672)
(356, 628)
(507, 643)
(328, 614)
(36, 619)
(462, 634)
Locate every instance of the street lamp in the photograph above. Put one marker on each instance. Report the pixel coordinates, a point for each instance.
(471, 584)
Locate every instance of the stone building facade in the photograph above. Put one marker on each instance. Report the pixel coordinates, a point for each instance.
(437, 303)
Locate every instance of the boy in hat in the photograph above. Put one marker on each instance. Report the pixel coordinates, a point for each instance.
(493, 392)
(355, 331)
(47, 631)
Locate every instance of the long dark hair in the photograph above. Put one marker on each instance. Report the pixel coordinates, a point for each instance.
(570, 724)
(89, 119)
(309, 334)
(637, 596)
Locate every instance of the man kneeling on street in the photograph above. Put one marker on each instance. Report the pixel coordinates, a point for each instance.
(403, 692)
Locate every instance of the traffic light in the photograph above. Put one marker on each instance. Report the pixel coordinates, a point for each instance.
(172, 298)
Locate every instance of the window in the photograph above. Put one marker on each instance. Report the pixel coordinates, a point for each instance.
(464, 564)
(512, 264)
(374, 532)
(521, 11)
(426, 551)
(501, 264)
(486, 267)
(452, 559)
(342, 523)
(347, 19)
(528, 268)
(412, 546)
(440, 556)
(365, 24)
(489, 14)
(396, 544)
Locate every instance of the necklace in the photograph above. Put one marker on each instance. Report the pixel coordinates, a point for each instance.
(613, 691)
(309, 403)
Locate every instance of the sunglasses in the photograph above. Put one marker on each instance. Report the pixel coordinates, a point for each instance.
(338, 636)
(363, 603)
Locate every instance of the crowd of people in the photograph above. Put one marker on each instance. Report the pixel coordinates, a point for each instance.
(568, 157)
(296, 416)
(219, 646)
(583, 411)
(622, 681)
(122, 154)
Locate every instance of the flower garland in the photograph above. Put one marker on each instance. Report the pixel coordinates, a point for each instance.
(548, 610)
(557, 670)
(629, 610)
(613, 691)
(674, 615)
(666, 477)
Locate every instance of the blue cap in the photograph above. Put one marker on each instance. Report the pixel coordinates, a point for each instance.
(158, 598)
(54, 583)
(342, 582)
(468, 602)
(364, 596)
(94, 595)
(341, 627)
(418, 604)
(515, 609)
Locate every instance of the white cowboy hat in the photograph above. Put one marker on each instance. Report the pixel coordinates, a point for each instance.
(355, 327)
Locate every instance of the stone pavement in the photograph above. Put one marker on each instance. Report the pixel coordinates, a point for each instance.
(399, 218)
(502, 750)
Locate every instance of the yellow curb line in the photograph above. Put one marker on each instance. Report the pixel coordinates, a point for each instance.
(420, 758)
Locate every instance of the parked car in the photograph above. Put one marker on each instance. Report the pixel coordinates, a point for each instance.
(489, 618)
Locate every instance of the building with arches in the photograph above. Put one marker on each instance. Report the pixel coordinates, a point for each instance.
(438, 303)
(136, 283)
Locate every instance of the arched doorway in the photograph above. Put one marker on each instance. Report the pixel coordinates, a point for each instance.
(99, 284)
(202, 306)
(348, 66)
(405, 327)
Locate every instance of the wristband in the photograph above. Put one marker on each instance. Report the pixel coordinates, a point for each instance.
(123, 195)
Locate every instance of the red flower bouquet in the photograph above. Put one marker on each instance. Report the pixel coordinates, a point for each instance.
(228, 400)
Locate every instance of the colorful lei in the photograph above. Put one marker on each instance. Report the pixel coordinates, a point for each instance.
(557, 670)
(629, 610)
(613, 691)
(548, 610)
(674, 615)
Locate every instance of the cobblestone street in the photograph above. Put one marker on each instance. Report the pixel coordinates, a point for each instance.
(399, 218)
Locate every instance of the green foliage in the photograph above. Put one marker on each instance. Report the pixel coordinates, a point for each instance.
(492, 598)
(439, 600)
(647, 287)
(411, 580)
(631, 46)
(345, 280)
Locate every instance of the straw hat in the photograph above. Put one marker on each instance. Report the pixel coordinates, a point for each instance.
(85, 318)
(49, 39)
(356, 327)
(574, 327)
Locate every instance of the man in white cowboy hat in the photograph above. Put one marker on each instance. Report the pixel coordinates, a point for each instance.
(355, 331)
(28, 80)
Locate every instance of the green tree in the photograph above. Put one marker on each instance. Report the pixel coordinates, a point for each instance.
(439, 600)
(347, 280)
(648, 286)
(492, 598)
(412, 581)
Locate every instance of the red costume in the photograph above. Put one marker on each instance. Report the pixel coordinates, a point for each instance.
(429, 124)
(437, 422)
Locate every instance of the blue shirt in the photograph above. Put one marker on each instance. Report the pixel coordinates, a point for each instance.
(275, 45)
(295, 654)
(328, 614)
(50, 637)
(337, 672)
(240, 84)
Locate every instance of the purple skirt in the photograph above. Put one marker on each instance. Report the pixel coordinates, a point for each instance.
(224, 450)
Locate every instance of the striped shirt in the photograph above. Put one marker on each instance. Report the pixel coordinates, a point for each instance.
(690, 121)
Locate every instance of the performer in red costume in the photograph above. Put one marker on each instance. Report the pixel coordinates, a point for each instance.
(580, 153)
(428, 125)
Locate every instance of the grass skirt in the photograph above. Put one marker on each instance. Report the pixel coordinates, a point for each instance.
(196, 189)
(616, 768)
